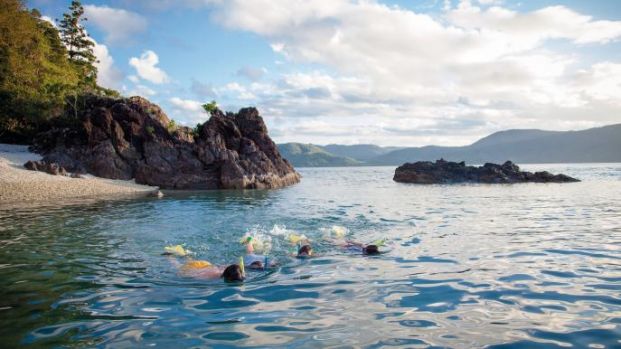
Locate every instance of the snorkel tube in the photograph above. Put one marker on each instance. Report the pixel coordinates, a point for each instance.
(241, 266)
(379, 242)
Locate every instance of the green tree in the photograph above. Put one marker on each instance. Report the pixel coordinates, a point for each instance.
(210, 107)
(44, 73)
(35, 74)
(79, 44)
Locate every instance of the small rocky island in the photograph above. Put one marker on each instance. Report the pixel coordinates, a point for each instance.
(447, 172)
(132, 138)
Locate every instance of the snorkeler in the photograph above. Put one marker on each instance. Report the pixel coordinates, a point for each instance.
(356, 247)
(256, 261)
(305, 251)
(201, 269)
(230, 273)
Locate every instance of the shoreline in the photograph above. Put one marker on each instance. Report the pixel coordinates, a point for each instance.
(19, 185)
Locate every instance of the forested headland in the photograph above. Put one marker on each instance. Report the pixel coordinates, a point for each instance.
(46, 69)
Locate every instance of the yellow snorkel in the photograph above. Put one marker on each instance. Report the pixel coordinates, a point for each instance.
(241, 266)
(379, 242)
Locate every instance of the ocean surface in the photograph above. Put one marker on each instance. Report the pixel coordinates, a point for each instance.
(499, 266)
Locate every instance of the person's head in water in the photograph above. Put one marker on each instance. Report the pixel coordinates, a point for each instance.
(256, 265)
(305, 251)
(233, 273)
(371, 250)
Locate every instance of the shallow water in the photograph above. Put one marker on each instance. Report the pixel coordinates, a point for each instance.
(528, 265)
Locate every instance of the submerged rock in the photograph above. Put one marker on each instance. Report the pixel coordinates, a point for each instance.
(446, 172)
(133, 138)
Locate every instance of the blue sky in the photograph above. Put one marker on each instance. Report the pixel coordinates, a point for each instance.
(404, 73)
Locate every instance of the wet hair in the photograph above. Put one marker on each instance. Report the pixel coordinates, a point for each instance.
(232, 273)
(305, 250)
(256, 265)
(371, 250)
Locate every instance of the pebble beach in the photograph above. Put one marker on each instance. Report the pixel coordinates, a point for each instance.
(20, 185)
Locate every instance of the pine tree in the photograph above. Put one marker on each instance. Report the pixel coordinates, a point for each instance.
(79, 45)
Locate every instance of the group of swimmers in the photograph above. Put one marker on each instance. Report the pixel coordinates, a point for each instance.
(236, 272)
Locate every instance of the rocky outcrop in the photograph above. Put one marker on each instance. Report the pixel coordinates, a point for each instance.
(133, 138)
(445, 172)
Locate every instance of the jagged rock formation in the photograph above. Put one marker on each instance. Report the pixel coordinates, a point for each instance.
(133, 138)
(445, 172)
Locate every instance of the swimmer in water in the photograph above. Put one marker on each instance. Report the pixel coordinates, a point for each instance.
(257, 261)
(231, 273)
(305, 251)
(200, 269)
(356, 247)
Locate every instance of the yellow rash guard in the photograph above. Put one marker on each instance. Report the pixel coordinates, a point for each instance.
(196, 265)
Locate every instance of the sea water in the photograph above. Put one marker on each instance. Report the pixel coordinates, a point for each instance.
(524, 265)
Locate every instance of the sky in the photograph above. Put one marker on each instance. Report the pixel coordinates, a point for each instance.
(385, 72)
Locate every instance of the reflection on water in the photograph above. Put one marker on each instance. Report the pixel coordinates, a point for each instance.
(530, 265)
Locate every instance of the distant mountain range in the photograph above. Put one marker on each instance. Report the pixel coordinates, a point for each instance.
(601, 144)
(310, 155)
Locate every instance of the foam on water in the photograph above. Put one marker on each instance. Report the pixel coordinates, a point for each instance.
(506, 266)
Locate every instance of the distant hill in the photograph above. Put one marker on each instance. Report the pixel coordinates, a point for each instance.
(309, 155)
(360, 152)
(601, 144)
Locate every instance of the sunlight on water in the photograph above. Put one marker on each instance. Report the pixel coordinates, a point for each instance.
(528, 265)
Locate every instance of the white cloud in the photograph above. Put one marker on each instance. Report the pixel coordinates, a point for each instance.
(146, 67)
(120, 26)
(187, 111)
(108, 75)
(532, 28)
(601, 82)
(399, 77)
(49, 20)
(167, 4)
(476, 70)
(142, 90)
(235, 91)
(186, 104)
(490, 2)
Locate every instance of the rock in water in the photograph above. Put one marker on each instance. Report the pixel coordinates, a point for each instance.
(445, 172)
(133, 138)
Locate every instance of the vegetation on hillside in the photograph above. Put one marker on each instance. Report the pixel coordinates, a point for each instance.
(309, 155)
(43, 71)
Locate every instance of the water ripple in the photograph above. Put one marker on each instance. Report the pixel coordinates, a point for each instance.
(533, 266)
